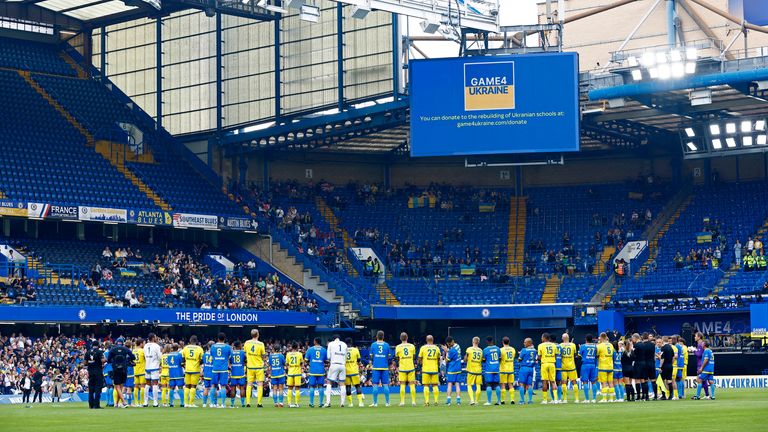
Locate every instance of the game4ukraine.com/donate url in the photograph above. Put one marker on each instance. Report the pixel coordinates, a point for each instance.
(493, 119)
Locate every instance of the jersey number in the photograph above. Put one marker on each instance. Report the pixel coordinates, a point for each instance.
(405, 352)
(218, 352)
(566, 352)
(549, 350)
(431, 352)
(495, 356)
(476, 356)
(293, 360)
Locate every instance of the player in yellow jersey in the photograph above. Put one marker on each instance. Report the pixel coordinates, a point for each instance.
(507, 370)
(139, 373)
(405, 353)
(255, 353)
(547, 356)
(605, 368)
(474, 361)
(295, 361)
(429, 359)
(192, 357)
(568, 355)
(352, 371)
(164, 375)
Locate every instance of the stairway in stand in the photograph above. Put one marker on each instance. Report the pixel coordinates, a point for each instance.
(386, 294)
(73, 64)
(516, 236)
(551, 289)
(605, 257)
(91, 142)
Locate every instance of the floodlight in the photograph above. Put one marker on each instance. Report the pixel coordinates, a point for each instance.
(690, 132)
(747, 140)
(690, 68)
(678, 70)
(730, 142)
(637, 75)
(653, 72)
(691, 53)
(692, 146)
(648, 59)
(714, 129)
(632, 61)
(730, 128)
(717, 144)
(675, 56)
(760, 125)
(762, 139)
(309, 13)
(661, 57)
(665, 72)
(746, 126)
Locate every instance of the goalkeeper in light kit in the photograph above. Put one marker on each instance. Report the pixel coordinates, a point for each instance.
(429, 359)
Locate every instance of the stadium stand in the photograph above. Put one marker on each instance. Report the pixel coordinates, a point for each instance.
(33, 56)
(52, 164)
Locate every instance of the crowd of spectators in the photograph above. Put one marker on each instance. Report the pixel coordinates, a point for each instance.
(42, 364)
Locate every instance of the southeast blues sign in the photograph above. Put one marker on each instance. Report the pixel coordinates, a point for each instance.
(495, 105)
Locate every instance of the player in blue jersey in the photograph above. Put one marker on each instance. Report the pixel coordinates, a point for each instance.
(207, 372)
(588, 355)
(381, 357)
(175, 374)
(237, 375)
(706, 378)
(557, 393)
(452, 369)
(130, 380)
(618, 372)
(491, 371)
(315, 358)
(680, 366)
(527, 359)
(277, 375)
(222, 355)
(108, 383)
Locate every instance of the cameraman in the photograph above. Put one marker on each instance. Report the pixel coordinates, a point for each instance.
(95, 361)
(120, 358)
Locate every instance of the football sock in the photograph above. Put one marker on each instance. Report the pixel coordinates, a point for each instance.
(359, 398)
(595, 390)
(386, 392)
(412, 386)
(248, 391)
(511, 394)
(585, 389)
(402, 393)
(290, 396)
(498, 394)
(375, 391)
(259, 394)
(712, 389)
(155, 393)
(522, 394)
(559, 392)
(488, 393)
(698, 389)
(280, 397)
(344, 393)
(426, 394)
(477, 392)
(205, 399)
(328, 388)
(296, 396)
(435, 393)
(530, 394)
(471, 394)
(312, 392)
(186, 396)
(563, 389)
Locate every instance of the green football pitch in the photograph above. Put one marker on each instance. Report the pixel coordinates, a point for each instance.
(734, 411)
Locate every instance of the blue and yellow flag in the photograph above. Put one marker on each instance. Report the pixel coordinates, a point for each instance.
(489, 86)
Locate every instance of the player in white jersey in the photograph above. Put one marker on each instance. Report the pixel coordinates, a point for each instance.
(337, 357)
(153, 354)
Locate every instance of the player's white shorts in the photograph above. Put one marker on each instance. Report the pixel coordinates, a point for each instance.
(154, 375)
(337, 373)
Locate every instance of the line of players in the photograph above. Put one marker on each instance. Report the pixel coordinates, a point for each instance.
(227, 369)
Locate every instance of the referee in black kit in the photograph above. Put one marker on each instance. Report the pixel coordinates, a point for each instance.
(94, 358)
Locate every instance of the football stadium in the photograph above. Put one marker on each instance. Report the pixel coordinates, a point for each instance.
(383, 214)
